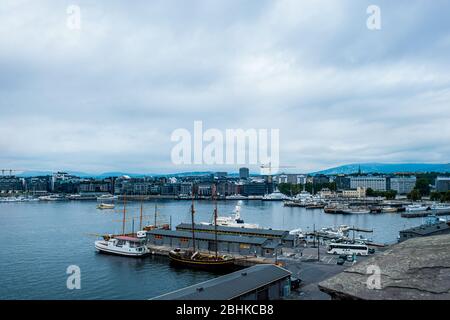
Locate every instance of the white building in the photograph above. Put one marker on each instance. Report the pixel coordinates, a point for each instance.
(360, 192)
(372, 182)
(403, 185)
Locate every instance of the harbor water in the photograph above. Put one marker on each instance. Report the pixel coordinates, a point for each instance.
(40, 240)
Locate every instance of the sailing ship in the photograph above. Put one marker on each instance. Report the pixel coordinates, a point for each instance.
(195, 259)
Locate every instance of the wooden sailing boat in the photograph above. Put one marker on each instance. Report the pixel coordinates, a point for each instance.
(193, 258)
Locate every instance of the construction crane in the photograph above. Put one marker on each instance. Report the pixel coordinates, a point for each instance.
(8, 170)
(270, 167)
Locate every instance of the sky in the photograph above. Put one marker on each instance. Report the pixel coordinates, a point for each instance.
(107, 96)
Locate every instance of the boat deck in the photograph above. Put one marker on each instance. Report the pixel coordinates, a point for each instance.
(244, 261)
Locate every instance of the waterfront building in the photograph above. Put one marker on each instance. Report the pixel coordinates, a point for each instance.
(442, 184)
(96, 186)
(359, 192)
(253, 189)
(38, 185)
(11, 184)
(64, 182)
(291, 178)
(403, 185)
(221, 175)
(326, 193)
(204, 190)
(320, 179)
(260, 282)
(375, 183)
(244, 173)
(342, 182)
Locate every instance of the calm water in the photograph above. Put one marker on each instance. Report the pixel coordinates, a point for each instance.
(40, 240)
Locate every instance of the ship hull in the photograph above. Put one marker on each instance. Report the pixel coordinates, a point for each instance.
(204, 265)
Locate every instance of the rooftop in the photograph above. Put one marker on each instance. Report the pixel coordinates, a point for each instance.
(417, 268)
(209, 236)
(255, 231)
(231, 285)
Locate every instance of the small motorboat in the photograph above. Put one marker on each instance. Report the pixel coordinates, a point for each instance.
(105, 206)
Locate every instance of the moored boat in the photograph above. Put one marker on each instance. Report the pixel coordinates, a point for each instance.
(123, 246)
(103, 206)
(195, 259)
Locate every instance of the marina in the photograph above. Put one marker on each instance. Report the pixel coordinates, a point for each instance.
(54, 225)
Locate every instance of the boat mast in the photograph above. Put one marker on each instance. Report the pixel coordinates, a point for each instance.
(193, 224)
(124, 213)
(215, 219)
(156, 208)
(140, 217)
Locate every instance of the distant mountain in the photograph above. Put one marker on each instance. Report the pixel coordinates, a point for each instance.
(386, 168)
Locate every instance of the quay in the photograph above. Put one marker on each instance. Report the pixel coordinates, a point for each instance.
(425, 213)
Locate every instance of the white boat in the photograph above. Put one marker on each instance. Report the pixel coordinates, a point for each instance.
(275, 196)
(233, 221)
(438, 207)
(53, 198)
(105, 206)
(416, 207)
(303, 196)
(356, 211)
(236, 197)
(123, 246)
(389, 209)
(104, 197)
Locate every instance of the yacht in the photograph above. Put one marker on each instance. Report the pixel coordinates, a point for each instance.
(104, 197)
(129, 246)
(275, 196)
(233, 221)
(355, 211)
(416, 207)
(236, 197)
(53, 198)
(439, 207)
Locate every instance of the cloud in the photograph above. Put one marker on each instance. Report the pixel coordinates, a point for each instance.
(108, 96)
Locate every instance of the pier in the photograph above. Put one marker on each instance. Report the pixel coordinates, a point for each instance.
(425, 213)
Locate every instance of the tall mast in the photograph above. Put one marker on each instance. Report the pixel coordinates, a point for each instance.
(156, 210)
(124, 214)
(140, 217)
(215, 219)
(192, 217)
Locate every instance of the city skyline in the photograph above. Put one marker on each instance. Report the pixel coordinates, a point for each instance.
(107, 96)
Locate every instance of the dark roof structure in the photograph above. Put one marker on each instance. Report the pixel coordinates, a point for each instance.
(247, 231)
(230, 286)
(208, 236)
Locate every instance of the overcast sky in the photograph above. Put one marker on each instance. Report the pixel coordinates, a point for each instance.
(108, 96)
